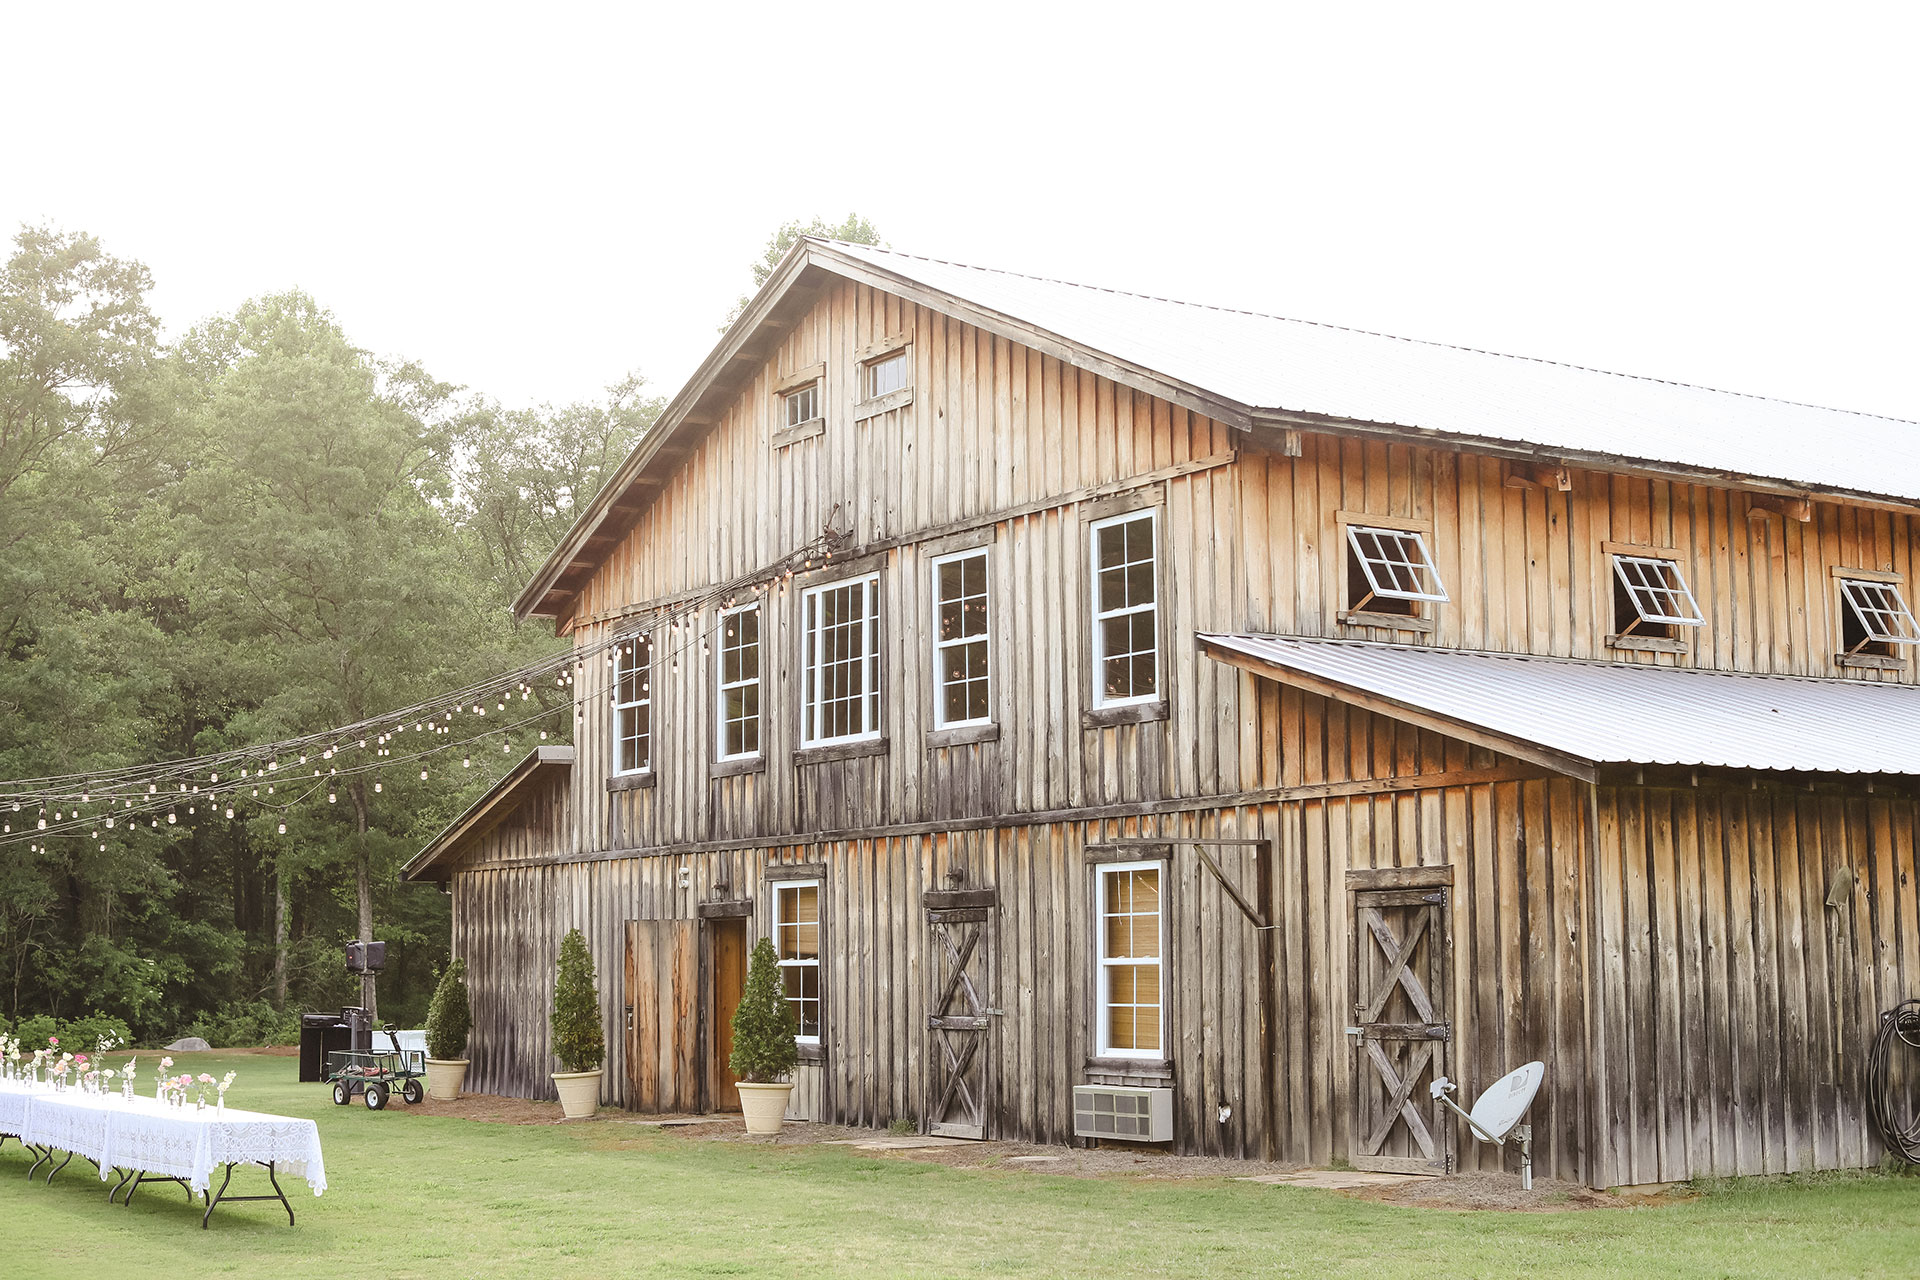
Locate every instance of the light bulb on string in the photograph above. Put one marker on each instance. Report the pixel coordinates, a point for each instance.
(283, 828)
(423, 775)
(330, 797)
(376, 786)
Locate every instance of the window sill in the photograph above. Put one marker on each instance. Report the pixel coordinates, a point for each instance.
(1131, 713)
(632, 781)
(841, 751)
(883, 404)
(1386, 621)
(811, 1052)
(798, 431)
(1649, 644)
(962, 735)
(1869, 662)
(735, 768)
(1142, 1068)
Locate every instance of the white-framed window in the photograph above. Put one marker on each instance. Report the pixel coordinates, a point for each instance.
(739, 676)
(1651, 597)
(1390, 570)
(1875, 618)
(633, 705)
(961, 695)
(1126, 621)
(1131, 1010)
(840, 662)
(885, 375)
(802, 404)
(796, 945)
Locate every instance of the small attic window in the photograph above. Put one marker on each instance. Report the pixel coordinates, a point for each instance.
(802, 404)
(1651, 598)
(886, 375)
(1390, 571)
(1874, 619)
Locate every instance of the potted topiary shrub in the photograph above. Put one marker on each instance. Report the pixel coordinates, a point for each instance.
(577, 1039)
(449, 1019)
(764, 1052)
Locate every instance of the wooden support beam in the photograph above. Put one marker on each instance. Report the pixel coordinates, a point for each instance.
(1537, 475)
(1759, 504)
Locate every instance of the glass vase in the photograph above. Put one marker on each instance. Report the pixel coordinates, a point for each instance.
(126, 1089)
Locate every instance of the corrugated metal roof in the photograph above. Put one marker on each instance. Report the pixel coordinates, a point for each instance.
(1613, 713)
(1266, 362)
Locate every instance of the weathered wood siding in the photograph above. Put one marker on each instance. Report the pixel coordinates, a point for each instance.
(1735, 1006)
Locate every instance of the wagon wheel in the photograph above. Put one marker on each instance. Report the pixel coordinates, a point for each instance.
(376, 1095)
(412, 1092)
(341, 1094)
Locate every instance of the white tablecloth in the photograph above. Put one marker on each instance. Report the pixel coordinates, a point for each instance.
(174, 1142)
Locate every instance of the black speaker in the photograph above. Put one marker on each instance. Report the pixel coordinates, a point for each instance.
(366, 957)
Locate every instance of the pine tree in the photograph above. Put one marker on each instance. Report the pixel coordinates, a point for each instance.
(449, 1017)
(763, 1027)
(577, 1038)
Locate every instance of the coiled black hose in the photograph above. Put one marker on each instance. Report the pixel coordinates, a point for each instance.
(1898, 1118)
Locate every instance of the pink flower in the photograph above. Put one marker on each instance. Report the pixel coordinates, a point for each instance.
(80, 1058)
(205, 1078)
(53, 1040)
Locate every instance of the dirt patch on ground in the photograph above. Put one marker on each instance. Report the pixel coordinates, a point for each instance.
(486, 1108)
(1501, 1191)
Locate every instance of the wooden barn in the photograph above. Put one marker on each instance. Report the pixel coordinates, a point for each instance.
(1136, 718)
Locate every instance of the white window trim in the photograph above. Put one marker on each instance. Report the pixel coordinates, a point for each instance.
(722, 685)
(788, 422)
(1152, 516)
(1874, 632)
(811, 703)
(1101, 1004)
(939, 646)
(1621, 559)
(1425, 567)
(620, 658)
(814, 964)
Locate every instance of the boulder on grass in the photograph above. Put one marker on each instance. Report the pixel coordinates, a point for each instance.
(191, 1044)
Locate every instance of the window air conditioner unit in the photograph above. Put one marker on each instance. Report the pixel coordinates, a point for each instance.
(1129, 1115)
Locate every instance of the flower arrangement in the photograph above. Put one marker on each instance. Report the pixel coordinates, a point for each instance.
(226, 1082)
(161, 1080)
(126, 1079)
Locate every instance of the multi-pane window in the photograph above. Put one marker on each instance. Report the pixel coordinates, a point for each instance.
(1651, 597)
(1390, 571)
(633, 705)
(960, 693)
(796, 944)
(840, 662)
(802, 404)
(1126, 649)
(1129, 982)
(886, 375)
(1875, 618)
(740, 682)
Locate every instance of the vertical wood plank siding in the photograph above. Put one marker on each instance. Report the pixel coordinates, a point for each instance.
(1667, 952)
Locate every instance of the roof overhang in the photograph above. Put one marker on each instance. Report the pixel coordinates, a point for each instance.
(1577, 717)
(792, 287)
(435, 861)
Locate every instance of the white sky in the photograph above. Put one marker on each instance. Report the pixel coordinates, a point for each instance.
(532, 201)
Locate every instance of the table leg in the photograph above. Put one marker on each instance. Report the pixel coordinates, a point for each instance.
(117, 1187)
(214, 1201)
(45, 1154)
(57, 1168)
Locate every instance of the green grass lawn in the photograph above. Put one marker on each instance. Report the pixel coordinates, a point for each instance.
(418, 1196)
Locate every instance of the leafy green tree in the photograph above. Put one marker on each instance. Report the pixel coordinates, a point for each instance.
(578, 1040)
(853, 228)
(764, 1049)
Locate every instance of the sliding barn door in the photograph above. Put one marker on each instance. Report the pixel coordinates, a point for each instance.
(1401, 949)
(959, 1013)
(664, 1027)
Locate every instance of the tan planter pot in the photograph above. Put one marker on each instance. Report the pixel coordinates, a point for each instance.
(579, 1093)
(764, 1106)
(445, 1076)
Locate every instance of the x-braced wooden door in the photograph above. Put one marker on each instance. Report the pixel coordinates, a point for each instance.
(959, 1012)
(1401, 946)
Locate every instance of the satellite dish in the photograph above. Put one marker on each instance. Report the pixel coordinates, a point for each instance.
(1496, 1116)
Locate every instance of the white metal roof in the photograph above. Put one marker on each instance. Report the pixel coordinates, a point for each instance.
(1268, 363)
(1614, 713)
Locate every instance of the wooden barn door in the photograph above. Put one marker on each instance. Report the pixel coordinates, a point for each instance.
(960, 967)
(664, 1025)
(729, 940)
(1401, 948)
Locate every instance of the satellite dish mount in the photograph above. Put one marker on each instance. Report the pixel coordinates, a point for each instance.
(1496, 1116)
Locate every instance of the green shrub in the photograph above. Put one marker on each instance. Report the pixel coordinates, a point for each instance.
(577, 1038)
(77, 1035)
(764, 1051)
(450, 1016)
(246, 1025)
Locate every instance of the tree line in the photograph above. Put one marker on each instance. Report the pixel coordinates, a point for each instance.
(254, 531)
